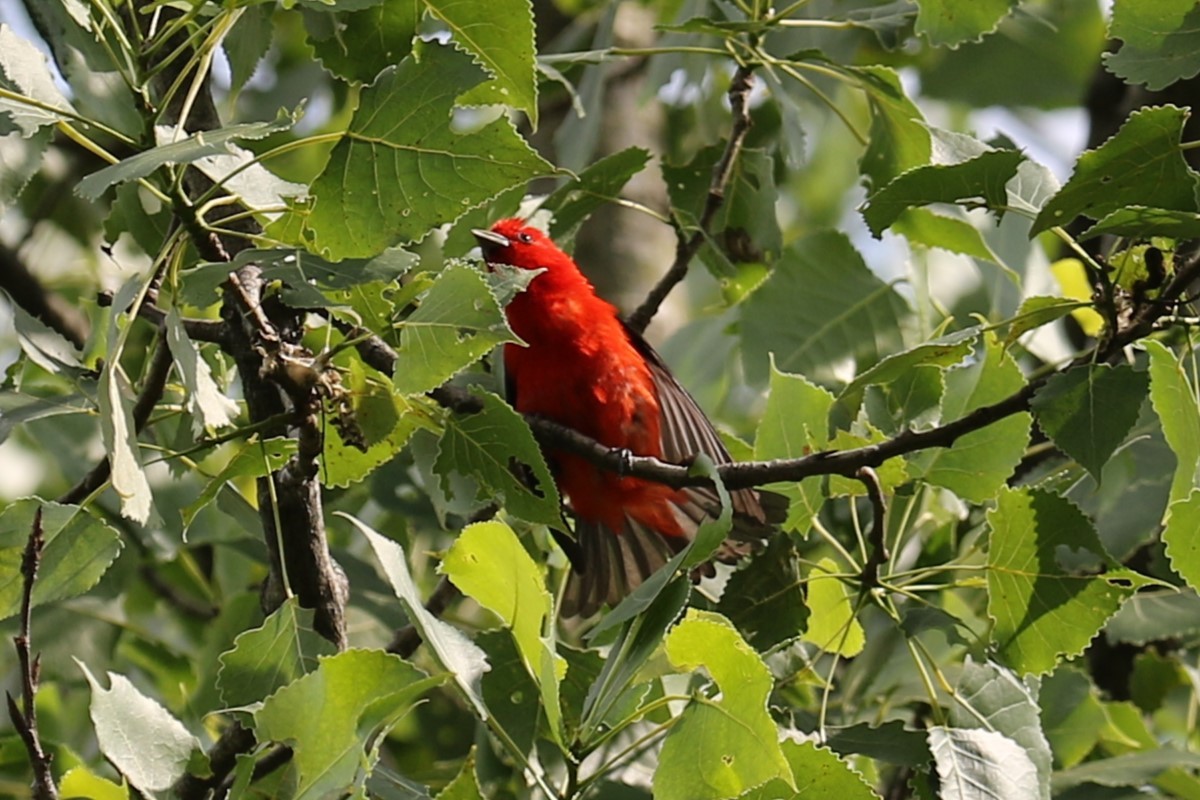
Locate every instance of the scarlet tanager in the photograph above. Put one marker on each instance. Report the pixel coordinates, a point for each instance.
(585, 369)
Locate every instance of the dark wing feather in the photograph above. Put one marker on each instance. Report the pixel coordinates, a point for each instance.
(685, 432)
(616, 564)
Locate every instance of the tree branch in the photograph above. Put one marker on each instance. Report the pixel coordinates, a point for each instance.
(687, 246)
(876, 540)
(24, 719)
(200, 330)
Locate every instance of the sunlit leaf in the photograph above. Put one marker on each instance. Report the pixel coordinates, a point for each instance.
(952, 22)
(974, 763)
(149, 746)
(832, 623)
(719, 748)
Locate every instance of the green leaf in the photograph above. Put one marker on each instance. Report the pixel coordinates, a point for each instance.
(1152, 615)
(949, 23)
(924, 227)
(1043, 611)
(401, 169)
(765, 598)
(120, 441)
(1174, 401)
(24, 70)
(248, 41)
(1140, 222)
(1131, 769)
(946, 351)
(974, 763)
(992, 698)
(597, 185)
(488, 563)
(496, 447)
(980, 462)
(267, 658)
(1141, 164)
(508, 689)
(455, 652)
(1038, 311)
(795, 423)
(1182, 544)
(823, 313)
(333, 717)
(719, 748)
(207, 404)
(252, 459)
(832, 622)
(183, 151)
(891, 473)
(1072, 715)
(465, 785)
(499, 35)
(1087, 411)
(977, 180)
(44, 346)
(82, 782)
(457, 323)
(142, 740)
(78, 550)
(1010, 68)
(300, 272)
(899, 137)
(357, 45)
(818, 772)
(1160, 42)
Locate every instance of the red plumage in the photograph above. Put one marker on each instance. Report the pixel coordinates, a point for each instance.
(584, 369)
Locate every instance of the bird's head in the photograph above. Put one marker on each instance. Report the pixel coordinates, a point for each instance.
(513, 242)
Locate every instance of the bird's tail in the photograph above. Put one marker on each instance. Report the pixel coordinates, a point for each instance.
(608, 566)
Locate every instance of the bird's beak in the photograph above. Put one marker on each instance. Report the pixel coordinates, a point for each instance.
(489, 241)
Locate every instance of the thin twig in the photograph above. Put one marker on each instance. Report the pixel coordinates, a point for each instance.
(687, 246)
(876, 538)
(200, 330)
(24, 719)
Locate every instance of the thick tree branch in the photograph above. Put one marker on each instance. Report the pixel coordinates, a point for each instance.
(24, 718)
(687, 246)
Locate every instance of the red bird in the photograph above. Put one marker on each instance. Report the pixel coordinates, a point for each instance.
(585, 369)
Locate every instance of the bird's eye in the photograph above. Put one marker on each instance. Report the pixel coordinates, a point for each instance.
(524, 238)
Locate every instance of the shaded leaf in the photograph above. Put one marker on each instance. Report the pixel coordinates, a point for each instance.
(818, 772)
(120, 441)
(1160, 42)
(1151, 615)
(207, 404)
(765, 598)
(252, 459)
(457, 323)
(1141, 164)
(500, 36)
(497, 449)
(78, 550)
(358, 45)
(597, 185)
(822, 313)
(949, 23)
(1043, 611)
(401, 169)
(1087, 411)
(267, 658)
(24, 70)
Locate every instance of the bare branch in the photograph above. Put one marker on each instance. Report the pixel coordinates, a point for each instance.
(876, 540)
(200, 330)
(24, 719)
(687, 246)
(407, 639)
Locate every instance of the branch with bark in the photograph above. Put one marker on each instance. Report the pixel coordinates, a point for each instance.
(24, 717)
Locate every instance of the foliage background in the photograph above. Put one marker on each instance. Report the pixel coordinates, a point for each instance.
(897, 257)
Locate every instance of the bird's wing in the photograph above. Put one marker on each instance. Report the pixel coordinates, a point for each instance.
(686, 431)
